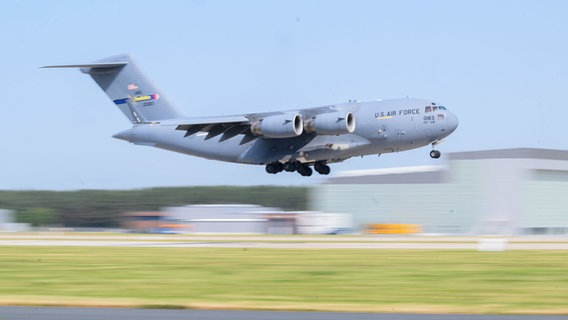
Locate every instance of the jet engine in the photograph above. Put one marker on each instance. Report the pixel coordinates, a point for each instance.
(279, 126)
(334, 123)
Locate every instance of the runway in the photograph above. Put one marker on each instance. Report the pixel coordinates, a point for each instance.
(51, 313)
(286, 242)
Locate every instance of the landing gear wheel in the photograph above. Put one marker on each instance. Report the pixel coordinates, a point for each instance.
(270, 168)
(435, 154)
(274, 167)
(290, 166)
(322, 168)
(304, 170)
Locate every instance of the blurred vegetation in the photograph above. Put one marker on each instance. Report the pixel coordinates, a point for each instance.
(103, 208)
(37, 216)
(404, 281)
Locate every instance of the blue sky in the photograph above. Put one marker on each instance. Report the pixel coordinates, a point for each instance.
(500, 66)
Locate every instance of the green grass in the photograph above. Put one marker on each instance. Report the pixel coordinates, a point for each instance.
(346, 280)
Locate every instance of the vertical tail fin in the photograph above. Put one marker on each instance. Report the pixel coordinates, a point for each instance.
(121, 79)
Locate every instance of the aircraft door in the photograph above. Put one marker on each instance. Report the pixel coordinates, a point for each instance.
(400, 138)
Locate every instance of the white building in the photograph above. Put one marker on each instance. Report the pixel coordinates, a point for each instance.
(313, 222)
(230, 218)
(247, 219)
(7, 223)
(522, 191)
(6, 216)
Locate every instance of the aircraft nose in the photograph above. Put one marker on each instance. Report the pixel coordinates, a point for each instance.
(452, 121)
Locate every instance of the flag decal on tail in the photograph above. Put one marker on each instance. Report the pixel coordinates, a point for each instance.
(147, 97)
(120, 101)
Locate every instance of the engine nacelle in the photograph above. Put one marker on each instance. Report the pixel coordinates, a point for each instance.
(333, 123)
(279, 126)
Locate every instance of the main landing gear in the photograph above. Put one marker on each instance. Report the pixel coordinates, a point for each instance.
(322, 168)
(303, 169)
(274, 167)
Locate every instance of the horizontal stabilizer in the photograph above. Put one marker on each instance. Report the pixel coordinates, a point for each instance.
(91, 65)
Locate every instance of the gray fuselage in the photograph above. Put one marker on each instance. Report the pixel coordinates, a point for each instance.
(381, 127)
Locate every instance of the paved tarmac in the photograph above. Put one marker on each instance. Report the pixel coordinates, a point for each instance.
(52, 313)
(282, 244)
(53, 235)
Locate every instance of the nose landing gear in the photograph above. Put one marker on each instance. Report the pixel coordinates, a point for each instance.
(435, 154)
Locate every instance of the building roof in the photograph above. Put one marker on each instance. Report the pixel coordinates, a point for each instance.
(436, 174)
(400, 175)
(223, 205)
(144, 214)
(515, 153)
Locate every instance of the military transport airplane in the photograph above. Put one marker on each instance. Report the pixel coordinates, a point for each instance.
(289, 141)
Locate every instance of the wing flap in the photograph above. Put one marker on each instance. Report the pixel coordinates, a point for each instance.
(228, 126)
(234, 131)
(216, 130)
(248, 138)
(192, 129)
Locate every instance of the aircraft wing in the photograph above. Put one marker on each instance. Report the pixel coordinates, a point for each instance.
(287, 124)
(229, 126)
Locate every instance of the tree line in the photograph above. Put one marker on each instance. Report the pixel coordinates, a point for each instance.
(104, 208)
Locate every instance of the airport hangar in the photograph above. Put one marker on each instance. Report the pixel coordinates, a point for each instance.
(508, 191)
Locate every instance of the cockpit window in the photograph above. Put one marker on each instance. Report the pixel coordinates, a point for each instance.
(433, 108)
